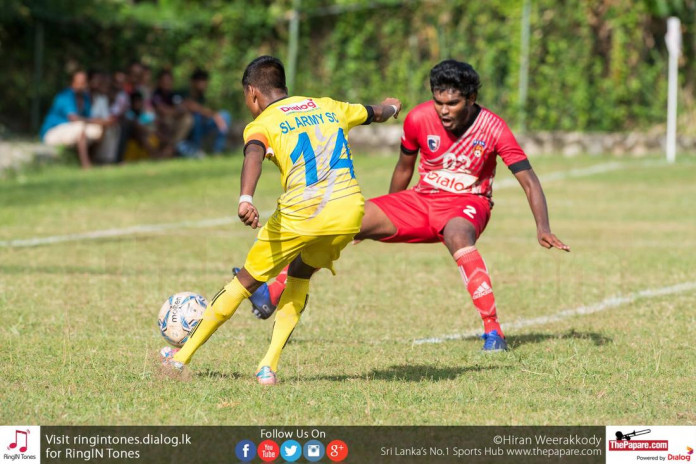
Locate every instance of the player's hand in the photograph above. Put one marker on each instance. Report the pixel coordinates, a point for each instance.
(549, 240)
(393, 101)
(249, 215)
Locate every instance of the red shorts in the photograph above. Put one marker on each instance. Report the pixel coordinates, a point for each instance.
(421, 218)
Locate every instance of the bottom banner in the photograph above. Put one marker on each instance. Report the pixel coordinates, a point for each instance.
(211, 445)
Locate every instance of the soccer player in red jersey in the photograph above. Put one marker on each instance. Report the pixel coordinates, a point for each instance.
(459, 142)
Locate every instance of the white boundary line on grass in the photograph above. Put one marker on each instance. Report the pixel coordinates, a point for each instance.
(146, 228)
(611, 302)
(97, 234)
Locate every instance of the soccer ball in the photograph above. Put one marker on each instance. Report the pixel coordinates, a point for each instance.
(179, 315)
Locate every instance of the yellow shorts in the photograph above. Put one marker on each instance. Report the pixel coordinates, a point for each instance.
(268, 257)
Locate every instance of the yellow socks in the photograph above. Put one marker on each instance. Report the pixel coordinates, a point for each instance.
(290, 307)
(223, 306)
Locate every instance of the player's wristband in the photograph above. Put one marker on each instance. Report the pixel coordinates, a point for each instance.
(245, 199)
(396, 110)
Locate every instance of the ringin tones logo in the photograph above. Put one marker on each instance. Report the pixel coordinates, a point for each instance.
(19, 443)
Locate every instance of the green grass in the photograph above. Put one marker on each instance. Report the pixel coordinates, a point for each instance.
(79, 318)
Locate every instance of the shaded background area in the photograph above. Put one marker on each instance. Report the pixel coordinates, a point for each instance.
(592, 64)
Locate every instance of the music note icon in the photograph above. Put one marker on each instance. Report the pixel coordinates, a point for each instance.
(14, 445)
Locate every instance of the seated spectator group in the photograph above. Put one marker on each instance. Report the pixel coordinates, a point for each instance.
(112, 118)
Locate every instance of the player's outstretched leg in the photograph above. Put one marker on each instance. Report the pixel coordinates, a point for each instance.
(290, 307)
(221, 308)
(478, 282)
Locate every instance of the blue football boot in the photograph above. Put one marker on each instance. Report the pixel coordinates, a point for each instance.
(260, 300)
(493, 342)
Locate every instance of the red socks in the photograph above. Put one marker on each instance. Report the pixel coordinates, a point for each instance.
(478, 283)
(276, 288)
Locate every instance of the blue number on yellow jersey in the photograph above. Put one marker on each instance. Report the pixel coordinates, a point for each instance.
(307, 139)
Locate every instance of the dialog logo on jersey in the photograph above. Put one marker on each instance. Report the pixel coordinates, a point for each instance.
(433, 142)
(305, 105)
(455, 182)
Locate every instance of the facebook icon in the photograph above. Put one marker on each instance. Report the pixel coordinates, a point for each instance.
(245, 450)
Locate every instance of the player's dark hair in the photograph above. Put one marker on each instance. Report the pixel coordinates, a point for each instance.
(265, 72)
(456, 75)
(199, 74)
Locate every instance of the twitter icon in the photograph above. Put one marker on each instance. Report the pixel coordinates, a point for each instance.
(290, 451)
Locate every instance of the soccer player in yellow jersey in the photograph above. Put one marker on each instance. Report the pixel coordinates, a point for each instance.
(317, 215)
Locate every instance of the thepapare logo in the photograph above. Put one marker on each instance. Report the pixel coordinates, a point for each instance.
(638, 445)
(304, 105)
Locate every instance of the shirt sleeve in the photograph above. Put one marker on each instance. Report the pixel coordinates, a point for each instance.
(256, 134)
(354, 114)
(409, 138)
(510, 151)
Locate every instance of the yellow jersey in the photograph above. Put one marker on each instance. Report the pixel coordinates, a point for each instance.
(307, 139)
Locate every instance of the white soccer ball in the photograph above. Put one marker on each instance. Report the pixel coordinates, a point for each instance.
(179, 315)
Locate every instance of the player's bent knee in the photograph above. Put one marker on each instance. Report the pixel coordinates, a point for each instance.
(300, 269)
(459, 233)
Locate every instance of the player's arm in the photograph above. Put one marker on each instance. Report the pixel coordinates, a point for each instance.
(403, 172)
(515, 159)
(251, 171)
(390, 107)
(537, 202)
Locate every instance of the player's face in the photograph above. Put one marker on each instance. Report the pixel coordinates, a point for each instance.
(453, 108)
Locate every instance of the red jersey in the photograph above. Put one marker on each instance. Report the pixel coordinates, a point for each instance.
(459, 165)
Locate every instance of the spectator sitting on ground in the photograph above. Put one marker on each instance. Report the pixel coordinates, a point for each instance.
(133, 77)
(106, 152)
(120, 101)
(68, 123)
(205, 120)
(120, 104)
(142, 141)
(145, 87)
(173, 120)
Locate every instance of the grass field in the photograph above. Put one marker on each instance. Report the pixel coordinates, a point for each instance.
(79, 317)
